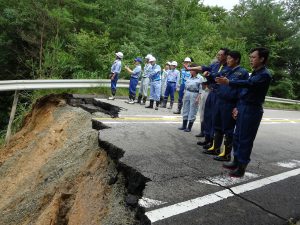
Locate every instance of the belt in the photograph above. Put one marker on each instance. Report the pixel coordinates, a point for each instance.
(173, 82)
(156, 80)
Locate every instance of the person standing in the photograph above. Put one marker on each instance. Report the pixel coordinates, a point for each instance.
(226, 102)
(134, 79)
(155, 83)
(204, 95)
(185, 74)
(173, 77)
(211, 72)
(191, 99)
(143, 91)
(114, 74)
(164, 80)
(249, 109)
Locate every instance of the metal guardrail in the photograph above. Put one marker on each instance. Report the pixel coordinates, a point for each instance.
(13, 85)
(18, 85)
(282, 100)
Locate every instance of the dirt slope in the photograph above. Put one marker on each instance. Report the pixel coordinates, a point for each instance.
(53, 172)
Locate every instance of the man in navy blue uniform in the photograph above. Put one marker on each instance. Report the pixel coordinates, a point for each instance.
(249, 110)
(212, 72)
(226, 102)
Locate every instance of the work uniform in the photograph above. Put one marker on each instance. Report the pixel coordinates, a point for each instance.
(155, 85)
(250, 112)
(224, 123)
(115, 70)
(204, 95)
(173, 78)
(192, 90)
(143, 91)
(163, 83)
(215, 69)
(134, 79)
(185, 75)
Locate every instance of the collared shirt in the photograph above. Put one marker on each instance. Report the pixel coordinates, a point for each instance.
(147, 68)
(193, 85)
(173, 76)
(154, 72)
(255, 88)
(185, 74)
(137, 72)
(230, 93)
(215, 69)
(116, 66)
(164, 76)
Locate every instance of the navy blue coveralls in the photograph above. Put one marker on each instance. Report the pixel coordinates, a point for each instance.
(250, 112)
(210, 103)
(227, 100)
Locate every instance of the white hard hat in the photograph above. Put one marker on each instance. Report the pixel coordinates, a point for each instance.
(148, 56)
(152, 59)
(168, 63)
(174, 63)
(187, 59)
(119, 55)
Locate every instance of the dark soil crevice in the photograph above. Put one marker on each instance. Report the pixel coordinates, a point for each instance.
(91, 105)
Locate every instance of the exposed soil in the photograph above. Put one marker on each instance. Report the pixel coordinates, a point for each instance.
(53, 172)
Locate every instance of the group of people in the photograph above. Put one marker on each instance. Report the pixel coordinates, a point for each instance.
(230, 99)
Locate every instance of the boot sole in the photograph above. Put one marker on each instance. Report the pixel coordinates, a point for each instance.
(222, 160)
(208, 153)
(232, 175)
(229, 168)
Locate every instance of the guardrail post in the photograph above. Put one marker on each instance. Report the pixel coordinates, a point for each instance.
(12, 116)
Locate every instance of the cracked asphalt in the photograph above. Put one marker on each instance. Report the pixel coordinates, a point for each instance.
(174, 163)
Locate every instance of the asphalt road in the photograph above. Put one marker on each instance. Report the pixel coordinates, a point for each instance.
(189, 187)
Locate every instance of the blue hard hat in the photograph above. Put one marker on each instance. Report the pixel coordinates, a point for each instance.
(138, 59)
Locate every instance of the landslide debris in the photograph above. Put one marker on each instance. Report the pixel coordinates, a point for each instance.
(53, 172)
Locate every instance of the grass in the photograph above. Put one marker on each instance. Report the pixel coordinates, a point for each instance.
(282, 106)
(2, 137)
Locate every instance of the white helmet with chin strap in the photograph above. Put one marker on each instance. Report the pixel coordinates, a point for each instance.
(119, 55)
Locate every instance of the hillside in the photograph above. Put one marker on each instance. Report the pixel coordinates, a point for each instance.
(53, 172)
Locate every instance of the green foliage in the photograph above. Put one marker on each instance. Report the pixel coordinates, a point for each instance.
(283, 89)
(78, 38)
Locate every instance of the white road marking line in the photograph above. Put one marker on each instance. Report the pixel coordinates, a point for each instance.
(182, 207)
(226, 180)
(289, 164)
(147, 202)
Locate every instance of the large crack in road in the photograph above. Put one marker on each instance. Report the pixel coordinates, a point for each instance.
(54, 172)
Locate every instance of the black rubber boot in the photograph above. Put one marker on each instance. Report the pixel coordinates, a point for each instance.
(225, 155)
(239, 171)
(144, 100)
(215, 149)
(171, 105)
(189, 128)
(205, 142)
(184, 124)
(164, 103)
(157, 104)
(161, 98)
(139, 100)
(231, 165)
(150, 106)
(178, 111)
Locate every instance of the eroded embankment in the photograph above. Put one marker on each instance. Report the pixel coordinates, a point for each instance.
(53, 172)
